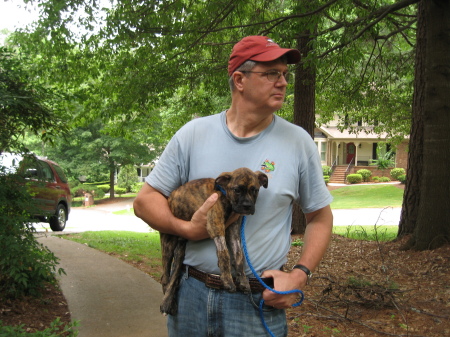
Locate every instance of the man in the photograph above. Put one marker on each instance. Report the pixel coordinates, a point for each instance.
(248, 134)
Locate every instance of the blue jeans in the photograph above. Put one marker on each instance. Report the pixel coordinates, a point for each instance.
(208, 312)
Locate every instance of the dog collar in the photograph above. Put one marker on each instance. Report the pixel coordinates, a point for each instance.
(220, 188)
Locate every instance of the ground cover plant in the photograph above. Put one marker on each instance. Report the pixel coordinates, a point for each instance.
(29, 295)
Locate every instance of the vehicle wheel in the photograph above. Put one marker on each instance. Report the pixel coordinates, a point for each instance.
(58, 221)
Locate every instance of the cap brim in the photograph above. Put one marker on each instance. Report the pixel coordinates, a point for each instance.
(293, 55)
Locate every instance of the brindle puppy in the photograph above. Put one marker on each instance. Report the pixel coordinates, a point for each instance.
(241, 189)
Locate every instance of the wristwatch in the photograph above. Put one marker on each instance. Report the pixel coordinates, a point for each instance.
(305, 269)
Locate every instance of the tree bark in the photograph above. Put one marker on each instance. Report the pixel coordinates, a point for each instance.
(111, 181)
(304, 110)
(410, 207)
(432, 230)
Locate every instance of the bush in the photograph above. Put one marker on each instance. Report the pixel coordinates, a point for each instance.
(326, 170)
(105, 188)
(397, 172)
(26, 266)
(376, 179)
(384, 179)
(137, 187)
(402, 178)
(354, 178)
(365, 174)
(327, 179)
(120, 190)
(127, 177)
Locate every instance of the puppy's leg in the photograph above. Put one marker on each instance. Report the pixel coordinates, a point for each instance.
(168, 245)
(234, 242)
(169, 305)
(216, 230)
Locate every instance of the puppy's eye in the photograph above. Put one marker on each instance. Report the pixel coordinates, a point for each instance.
(237, 190)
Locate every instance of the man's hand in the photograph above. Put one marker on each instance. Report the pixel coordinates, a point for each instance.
(197, 227)
(283, 282)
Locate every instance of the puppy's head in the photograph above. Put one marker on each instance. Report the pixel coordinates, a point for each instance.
(241, 188)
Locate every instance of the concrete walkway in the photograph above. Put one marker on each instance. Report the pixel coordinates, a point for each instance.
(109, 297)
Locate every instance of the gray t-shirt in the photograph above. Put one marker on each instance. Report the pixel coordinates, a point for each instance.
(204, 148)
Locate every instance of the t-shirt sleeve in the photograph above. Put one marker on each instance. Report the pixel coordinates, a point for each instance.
(170, 171)
(313, 192)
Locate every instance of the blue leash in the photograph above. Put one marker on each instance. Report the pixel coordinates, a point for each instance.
(261, 303)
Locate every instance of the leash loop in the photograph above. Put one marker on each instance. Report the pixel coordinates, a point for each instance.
(255, 274)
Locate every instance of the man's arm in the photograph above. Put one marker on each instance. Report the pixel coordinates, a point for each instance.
(152, 207)
(316, 239)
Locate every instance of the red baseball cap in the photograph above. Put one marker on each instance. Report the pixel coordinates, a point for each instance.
(260, 49)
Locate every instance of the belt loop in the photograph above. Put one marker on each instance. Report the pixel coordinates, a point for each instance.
(186, 274)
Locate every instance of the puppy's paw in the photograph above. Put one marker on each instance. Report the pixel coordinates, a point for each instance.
(243, 284)
(168, 308)
(228, 283)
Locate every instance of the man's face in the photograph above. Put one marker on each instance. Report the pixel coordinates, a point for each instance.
(261, 92)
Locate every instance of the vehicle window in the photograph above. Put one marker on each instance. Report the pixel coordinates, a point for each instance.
(61, 174)
(47, 172)
(31, 168)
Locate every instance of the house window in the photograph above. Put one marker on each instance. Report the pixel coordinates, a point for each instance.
(323, 151)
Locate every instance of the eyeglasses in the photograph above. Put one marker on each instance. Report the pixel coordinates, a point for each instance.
(272, 75)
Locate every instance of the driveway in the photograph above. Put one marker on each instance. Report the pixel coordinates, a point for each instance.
(100, 218)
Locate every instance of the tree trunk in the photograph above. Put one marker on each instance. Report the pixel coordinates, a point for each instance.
(432, 229)
(111, 181)
(304, 111)
(410, 207)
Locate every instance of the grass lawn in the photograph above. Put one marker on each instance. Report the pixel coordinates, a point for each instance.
(145, 247)
(130, 246)
(368, 233)
(353, 196)
(367, 196)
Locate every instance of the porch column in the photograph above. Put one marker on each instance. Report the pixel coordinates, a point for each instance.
(337, 152)
(356, 152)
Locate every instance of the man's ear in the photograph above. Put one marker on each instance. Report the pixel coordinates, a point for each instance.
(238, 78)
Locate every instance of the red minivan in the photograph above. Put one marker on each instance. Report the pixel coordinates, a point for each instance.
(48, 186)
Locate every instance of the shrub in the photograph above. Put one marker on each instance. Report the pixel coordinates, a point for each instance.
(327, 179)
(384, 179)
(26, 266)
(397, 172)
(120, 190)
(104, 188)
(376, 179)
(402, 178)
(365, 174)
(354, 178)
(326, 170)
(127, 177)
(137, 187)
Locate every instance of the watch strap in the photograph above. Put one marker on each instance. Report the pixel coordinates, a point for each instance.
(304, 268)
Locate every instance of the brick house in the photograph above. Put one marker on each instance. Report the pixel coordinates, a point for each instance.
(349, 152)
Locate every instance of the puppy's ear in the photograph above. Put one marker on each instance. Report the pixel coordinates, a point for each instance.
(263, 179)
(223, 179)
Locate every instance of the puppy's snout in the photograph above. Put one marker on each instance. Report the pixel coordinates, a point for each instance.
(245, 207)
(249, 209)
